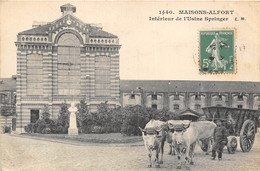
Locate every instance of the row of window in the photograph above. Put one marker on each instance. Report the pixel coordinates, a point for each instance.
(101, 49)
(197, 106)
(88, 48)
(33, 46)
(102, 41)
(177, 107)
(38, 39)
(197, 97)
(4, 99)
(175, 97)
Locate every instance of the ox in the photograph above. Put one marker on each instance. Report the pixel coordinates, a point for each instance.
(154, 137)
(169, 140)
(185, 136)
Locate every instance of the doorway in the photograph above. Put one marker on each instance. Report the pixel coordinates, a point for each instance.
(34, 115)
(13, 124)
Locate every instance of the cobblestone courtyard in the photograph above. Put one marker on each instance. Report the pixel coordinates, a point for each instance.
(19, 153)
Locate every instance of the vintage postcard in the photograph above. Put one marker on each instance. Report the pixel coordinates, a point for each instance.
(129, 85)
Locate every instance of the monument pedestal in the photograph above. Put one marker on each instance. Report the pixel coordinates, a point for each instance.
(73, 130)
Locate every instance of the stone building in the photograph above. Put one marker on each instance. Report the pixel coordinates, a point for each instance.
(194, 95)
(7, 102)
(65, 60)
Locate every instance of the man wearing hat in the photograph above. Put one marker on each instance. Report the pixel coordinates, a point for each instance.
(220, 140)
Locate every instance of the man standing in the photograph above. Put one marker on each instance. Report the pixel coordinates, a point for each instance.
(220, 140)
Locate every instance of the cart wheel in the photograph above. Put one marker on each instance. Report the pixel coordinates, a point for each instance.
(232, 144)
(204, 145)
(247, 135)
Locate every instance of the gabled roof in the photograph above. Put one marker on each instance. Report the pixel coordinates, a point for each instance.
(188, 112)
(41, 30)
(44, 29)
(8, 84)
(189, 86)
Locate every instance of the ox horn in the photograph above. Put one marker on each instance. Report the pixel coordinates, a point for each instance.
(159, 130)
(140, 129)
(162, 127)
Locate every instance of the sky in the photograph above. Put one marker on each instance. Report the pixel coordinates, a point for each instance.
(151, 50)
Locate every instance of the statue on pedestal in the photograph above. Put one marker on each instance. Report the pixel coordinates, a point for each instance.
(73, 130)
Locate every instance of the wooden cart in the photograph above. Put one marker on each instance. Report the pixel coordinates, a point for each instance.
(240, 123)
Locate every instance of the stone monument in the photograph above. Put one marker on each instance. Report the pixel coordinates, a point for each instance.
(73, 130)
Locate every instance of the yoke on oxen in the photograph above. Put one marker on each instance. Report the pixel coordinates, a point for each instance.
(182, 139)
(154, 137)
(178, 125)
(185, 134)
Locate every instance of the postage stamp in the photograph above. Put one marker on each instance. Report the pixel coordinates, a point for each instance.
(217, 51)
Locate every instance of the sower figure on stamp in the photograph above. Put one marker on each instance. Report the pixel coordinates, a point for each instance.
(220, 140)
(214, 48)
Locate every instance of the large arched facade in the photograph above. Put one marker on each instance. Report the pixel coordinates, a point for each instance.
(68, 64)
(66, 60)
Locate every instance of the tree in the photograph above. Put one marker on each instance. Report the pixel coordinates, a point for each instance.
(135, 116)
(45, 112)
(104, 117)
(63, 119)
(82, 114)
(165, 114)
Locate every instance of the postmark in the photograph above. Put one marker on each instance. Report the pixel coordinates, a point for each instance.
(217, 51)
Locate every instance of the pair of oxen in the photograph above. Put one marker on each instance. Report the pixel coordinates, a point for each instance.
(182, 135)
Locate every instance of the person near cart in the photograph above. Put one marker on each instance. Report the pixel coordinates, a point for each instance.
(220, 140)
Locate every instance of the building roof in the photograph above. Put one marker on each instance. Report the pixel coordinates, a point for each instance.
(8, 84)
(93, 31)
(98, 32)
(164, 86)
(40, 30)
(68, 7)
(189, 86)
(188, 112)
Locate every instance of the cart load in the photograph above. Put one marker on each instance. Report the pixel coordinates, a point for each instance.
(240, 123)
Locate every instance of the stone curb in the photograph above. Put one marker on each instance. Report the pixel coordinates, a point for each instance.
(78, 143)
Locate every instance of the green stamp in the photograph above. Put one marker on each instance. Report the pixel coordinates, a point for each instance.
(217, 52)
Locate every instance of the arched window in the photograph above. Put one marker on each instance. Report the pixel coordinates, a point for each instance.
(69, 39)
(154, 106)
(68, 64)
(154, 97)
(197, 106)
(176, 107)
